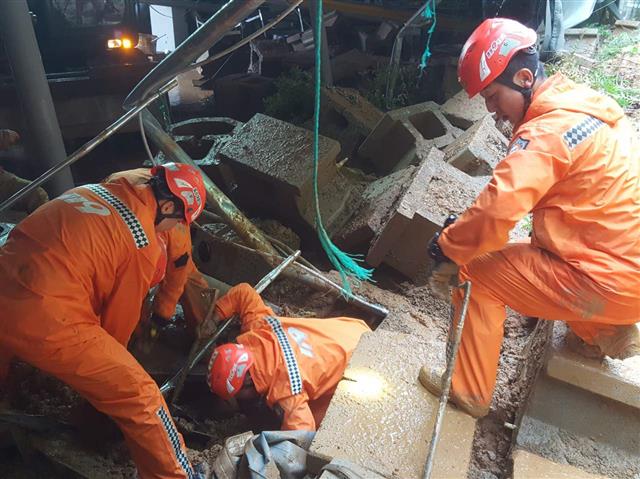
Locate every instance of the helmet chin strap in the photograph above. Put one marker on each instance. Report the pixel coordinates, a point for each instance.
(527, 92)
(160, 216)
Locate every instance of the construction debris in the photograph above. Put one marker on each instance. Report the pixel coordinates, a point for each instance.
(581, 40)
(393, 143)
(464, 112)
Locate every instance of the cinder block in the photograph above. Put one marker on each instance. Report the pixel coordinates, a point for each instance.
(617, 380)
(479, 149)
(381, 418)
(374, 208)
(275, 152)
(356, 109)
(527, 465)
(392, 145)
(581, 40)
(436, 190)
(464, 112)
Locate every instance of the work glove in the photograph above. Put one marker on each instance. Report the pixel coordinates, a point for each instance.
(156, 324)
(444, 272)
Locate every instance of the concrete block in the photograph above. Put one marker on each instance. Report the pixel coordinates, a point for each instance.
(464, 112)
(437, 189)
(392, 145)
(479, 149)
(627, 24)
(279, 153)
(527, 465)
(570, 425)
(617, 380)
(356, 109)
(581, 40)
(381, 418)
(375, 206)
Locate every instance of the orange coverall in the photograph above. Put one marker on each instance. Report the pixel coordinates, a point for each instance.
(298, 361)
(182, 282)
(573, 162)
(73, 276)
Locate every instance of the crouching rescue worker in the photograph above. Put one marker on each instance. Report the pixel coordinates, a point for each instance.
(573, 163)
(182, 281)
(295, 363)
(73, 276)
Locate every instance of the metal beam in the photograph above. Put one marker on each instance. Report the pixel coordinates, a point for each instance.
(202, 39)
(44, 139)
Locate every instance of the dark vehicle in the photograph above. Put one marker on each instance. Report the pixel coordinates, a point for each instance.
(92, 51)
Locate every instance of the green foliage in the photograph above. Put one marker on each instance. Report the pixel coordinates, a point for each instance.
(407, 91)
(293, 99)
(601, 76)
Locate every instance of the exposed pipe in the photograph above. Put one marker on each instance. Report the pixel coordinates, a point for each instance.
(202, 39)
(44, 139)
(87, 147)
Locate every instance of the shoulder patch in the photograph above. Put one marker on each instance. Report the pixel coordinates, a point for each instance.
(518, 144)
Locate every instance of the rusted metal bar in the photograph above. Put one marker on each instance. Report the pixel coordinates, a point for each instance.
(202, 39)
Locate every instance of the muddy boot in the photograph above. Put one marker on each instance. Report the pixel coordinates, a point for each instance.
(623, 344)
(432, 382)
(578, 346)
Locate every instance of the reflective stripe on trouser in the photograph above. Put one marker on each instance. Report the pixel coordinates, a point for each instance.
(560, 293)
(106, 374)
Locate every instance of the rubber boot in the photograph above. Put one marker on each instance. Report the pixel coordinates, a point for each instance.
(432, 382)
(623, 344)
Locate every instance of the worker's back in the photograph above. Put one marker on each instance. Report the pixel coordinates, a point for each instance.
(77, 254)
(590, 217)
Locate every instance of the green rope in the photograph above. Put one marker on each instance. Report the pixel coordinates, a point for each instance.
(429, 13)
(345, 263)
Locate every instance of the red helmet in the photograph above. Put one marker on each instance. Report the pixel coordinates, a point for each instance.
(185, 182)
(161, 266)
(488, 51)
(228, 366)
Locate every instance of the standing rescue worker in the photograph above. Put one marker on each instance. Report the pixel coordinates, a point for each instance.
(295, 363)
(73, 276)
(182, 282)
(573, 163)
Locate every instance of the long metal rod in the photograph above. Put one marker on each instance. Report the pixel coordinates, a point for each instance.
(43, 139)
(87, 147)
(378, 311)
(260, 287)
(446, 386)
(205, 37)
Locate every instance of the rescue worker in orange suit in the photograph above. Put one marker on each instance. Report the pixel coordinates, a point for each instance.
(72, 279)
(294, 363)
(573, 163)
(182, 282)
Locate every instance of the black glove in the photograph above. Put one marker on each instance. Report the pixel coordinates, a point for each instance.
(444, 270)
(156, 324)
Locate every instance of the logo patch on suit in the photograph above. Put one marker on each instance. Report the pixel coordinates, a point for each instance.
(518, 144)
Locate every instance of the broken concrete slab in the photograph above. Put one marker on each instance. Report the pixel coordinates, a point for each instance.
(374, 207)
(628, 25)
(614, 379)
(567, 424)
(479, 149)
(392, 145)
(464, 112)
(356, 109)
(380, 407)
(527, 465)
(280, 154)
(581, 40)
(436, 190)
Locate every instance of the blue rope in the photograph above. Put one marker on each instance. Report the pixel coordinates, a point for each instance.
(345, 263)
(429, 13)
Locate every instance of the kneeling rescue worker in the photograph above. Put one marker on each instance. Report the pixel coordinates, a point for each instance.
(573, 163)
(295, 363)
(73, 276)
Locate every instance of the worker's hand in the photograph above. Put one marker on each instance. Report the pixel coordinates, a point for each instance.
(8, 138)
(209, 326)
(156, 324)
(443, 275)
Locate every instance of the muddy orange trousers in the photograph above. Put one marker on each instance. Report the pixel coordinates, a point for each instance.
(108, 376)
(534, 283)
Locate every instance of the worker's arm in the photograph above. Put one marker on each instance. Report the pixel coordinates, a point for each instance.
(179, 266)
(296, 414)
(519, 181)
(244, 301)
